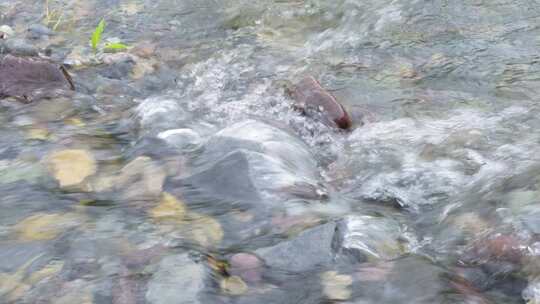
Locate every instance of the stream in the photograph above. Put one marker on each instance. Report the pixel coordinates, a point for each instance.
(180, 172)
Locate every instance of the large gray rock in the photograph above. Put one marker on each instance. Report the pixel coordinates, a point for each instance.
(308, 251)
(178, 280)
(252, 160)
(229, 178)
(353, 239)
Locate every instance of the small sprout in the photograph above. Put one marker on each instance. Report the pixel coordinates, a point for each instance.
(53, 17)
(96, 36)
(115, 46)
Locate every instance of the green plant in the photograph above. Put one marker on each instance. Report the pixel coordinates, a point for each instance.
(96, 35)
(53, 17)
(115, 46)
(96, 39)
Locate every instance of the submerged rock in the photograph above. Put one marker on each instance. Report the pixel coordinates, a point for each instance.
(71, 167)
(141, 179)
(308, 251)
(18, 47)
(45, 226)
(396, 286)
(177, 280)
(182, 139)
(268, 164)
(247, 266)
(36, 31)
(233, 285)
(354, 239)
(364, 237)
(313, 99)
(336, 286)
(157, 114)
(29, 79)
(204, 230)
(169, 209)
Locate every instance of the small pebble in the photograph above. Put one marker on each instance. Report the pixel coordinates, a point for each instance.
(247, 266)
(6, 31)
(71, 167)
(36, 31)
(233, 285)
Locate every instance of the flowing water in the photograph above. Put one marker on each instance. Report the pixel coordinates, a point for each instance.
(179, 172)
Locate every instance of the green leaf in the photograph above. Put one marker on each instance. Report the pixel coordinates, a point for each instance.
(116, 46)
(96, 36)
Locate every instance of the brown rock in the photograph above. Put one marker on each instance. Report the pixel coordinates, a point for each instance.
(144, 49)
(500, 247)
(32, 78)
(311, 98)
(247, 266)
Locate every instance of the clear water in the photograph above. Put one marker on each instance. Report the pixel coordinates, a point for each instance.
(448, 153)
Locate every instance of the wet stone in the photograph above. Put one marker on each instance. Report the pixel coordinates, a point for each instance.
(427, 286)
(45, 226)
(144, 49)
(336, 286)
(141, 179)
(312, 98)
(6, 31)
(159, 114)
(219, 180)
(306, 252)
(37, 31)
(182, 139)
(30, 79)
(233, 285)
(247, 266)
(18, 47)
(178, 280)
(269, 164)
(118, 70)
(364, 237)
(71, 167)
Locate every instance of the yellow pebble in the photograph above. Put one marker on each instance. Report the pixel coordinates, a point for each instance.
(168, 209)
(71, 167)
(44, 226)
(233, 285)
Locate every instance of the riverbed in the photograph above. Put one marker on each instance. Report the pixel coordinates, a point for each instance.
(179, 171)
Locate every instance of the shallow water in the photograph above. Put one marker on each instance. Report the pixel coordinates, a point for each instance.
(147, 184)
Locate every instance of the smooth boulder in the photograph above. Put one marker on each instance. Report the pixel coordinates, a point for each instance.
(254, 161)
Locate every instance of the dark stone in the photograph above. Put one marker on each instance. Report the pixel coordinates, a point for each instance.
(228, 179)
(312, 99)
(36, 31)
(118, 70)
(29, 79)
(269, 157)
(18, 47)
(409, 280)
(310, 250)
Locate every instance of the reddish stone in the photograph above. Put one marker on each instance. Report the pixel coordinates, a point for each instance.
(247, 266)
(310, 96)
(500, 247)
(32, 78)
